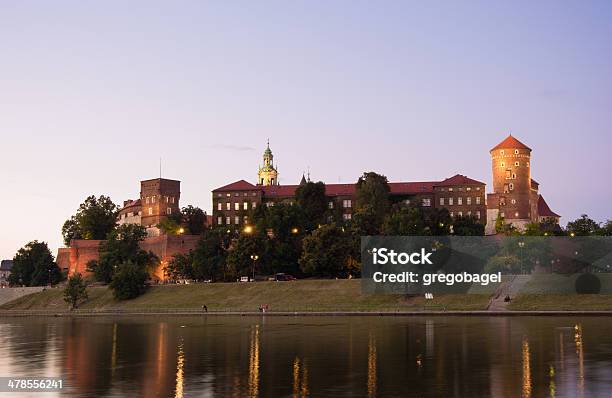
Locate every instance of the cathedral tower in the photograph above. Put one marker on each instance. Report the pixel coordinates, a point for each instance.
(267, 175)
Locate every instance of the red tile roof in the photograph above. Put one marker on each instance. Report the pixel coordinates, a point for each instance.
(459, 179)
(510, 143)
(134, 203)
(544, 210)
(396, 188)
(241, 185)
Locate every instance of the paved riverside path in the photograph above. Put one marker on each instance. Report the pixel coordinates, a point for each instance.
(508, 288)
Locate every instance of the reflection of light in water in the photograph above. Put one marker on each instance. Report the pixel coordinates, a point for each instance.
(551, 386)
(372, 367)
(580, 354)
(526, 369)
(180, 364)
(114, 350)
(300, 387)
(429, 338)
(254, 363)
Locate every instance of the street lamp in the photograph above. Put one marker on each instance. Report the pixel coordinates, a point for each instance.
(248, 229)
(181, 231)
(294, 230)
(254, 257)
(521, 245)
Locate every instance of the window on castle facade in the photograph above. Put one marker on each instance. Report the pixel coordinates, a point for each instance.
(220, 220)
(516, 164)
(228, 206)
(478, 215)
(253, 205)
(501, 152)
(346, 203)
(450, 201)
(245, 206)
(516, 151)
(227, 220)
(426, 202)
(150, 211)
(513, 201)
(511, 186)
(330, 204)
(236, 220)
(477, 200)
(468, 200)
(219, 206)
(502, 164)
(346, 216)
(152, 199)
(441, 201)
(236, 206)
(460, 214)
(452, 214)
(460, 201)
(168, 211)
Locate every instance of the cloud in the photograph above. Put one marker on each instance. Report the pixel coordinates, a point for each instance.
(235, 148)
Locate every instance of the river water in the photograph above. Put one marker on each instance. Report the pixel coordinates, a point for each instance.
(222, 356)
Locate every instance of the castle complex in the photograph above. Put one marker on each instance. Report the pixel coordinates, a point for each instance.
(515, 198)
(515, 195)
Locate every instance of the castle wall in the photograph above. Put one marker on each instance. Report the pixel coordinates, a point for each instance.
(80, 252)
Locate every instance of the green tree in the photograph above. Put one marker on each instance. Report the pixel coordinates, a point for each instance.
(405, 221)
(129, 281)
(210, 255)
(502, 228)
(75, 291)
(467, 226)
(583, 226)
(311, 198)
(94, 219)
(606, 228)
(33, 265)
(438, 221)
(329, 252)
(171, 225)
(121, 246)
(239, 257)
(181, 266)
(372, 199)
(194, 219)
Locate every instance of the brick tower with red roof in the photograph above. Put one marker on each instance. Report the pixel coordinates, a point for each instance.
(515, 194)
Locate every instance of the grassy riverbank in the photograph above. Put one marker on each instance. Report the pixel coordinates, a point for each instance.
(299, 296)
(304, 295)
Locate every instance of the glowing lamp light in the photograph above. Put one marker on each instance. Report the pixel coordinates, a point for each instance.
(248, 229)
(294, 230)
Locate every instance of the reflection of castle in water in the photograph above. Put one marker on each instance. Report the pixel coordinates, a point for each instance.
(377, 357)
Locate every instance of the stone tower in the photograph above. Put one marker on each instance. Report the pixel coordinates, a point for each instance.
(159, 199)
(514, 192)
(267, 175)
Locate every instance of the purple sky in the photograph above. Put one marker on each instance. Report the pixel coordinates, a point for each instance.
(93, 93)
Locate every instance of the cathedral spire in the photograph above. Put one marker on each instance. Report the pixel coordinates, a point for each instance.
(268, 174)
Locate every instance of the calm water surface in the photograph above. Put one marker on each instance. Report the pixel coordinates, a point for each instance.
(313, 356)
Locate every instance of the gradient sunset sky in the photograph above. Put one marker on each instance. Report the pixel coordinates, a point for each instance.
(92, 94)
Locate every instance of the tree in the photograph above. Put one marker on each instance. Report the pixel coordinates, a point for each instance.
(94, 219)
(75, 291)
(606, 228)
(583, 226)
(194, 219)
(502, 228)
(438, 221)
(33, 265)
(467, 226)
(405, 221)
(372, 198)
(129, 281)
(171, 225)
(311, 198)
(210, 255)
(330, 252)
(121, 246)
(239, 257)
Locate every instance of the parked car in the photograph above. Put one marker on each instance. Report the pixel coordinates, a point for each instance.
(244, 279)
(282, 277)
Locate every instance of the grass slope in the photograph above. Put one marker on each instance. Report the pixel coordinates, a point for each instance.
(305, 295)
